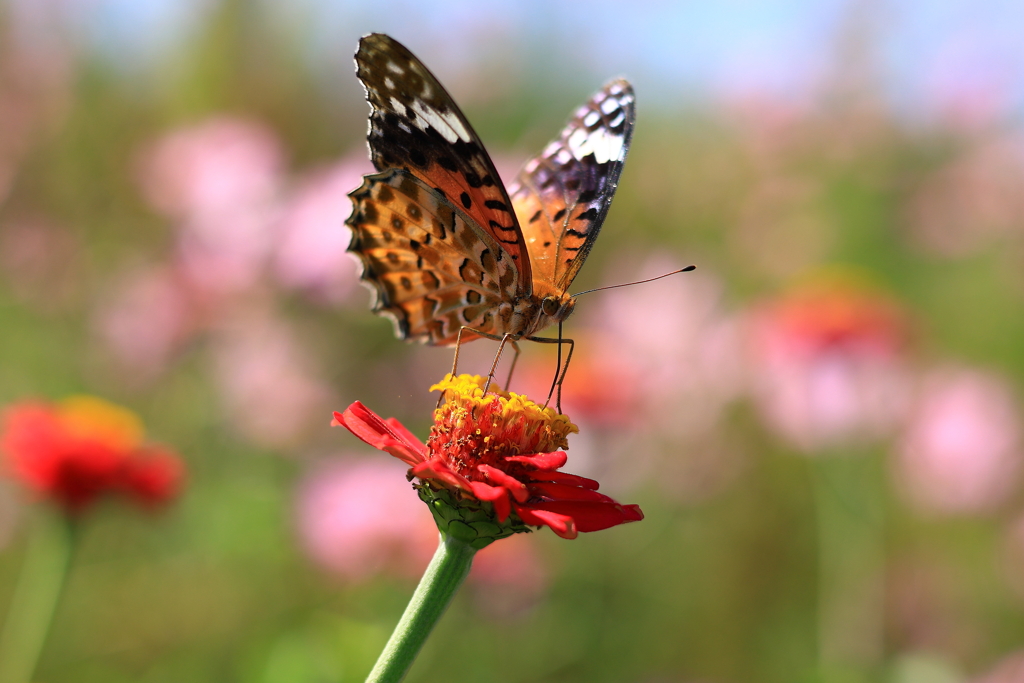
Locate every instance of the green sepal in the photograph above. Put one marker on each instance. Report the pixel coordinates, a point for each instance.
(467, 519)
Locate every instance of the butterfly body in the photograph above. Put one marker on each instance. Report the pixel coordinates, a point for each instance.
(447, 249)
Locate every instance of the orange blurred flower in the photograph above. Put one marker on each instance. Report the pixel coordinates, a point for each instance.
(74, 451)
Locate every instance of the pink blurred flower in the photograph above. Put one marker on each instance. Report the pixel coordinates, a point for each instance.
(961, 452)
(270, 389)
(225, 253)
(509, 576)
(1010, 669)
(147, 317)
(220, 180)
(313, 238)
(359, 519)
(676, 335)
(827, 361)
(211, 167)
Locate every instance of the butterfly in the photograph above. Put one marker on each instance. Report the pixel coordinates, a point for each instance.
(450, 252)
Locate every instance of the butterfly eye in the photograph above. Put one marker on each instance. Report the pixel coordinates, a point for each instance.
(549, 306)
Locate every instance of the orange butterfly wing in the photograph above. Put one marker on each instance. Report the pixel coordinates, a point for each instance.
(432, 268)
(437, 233)
(562, 196)
(416, 126)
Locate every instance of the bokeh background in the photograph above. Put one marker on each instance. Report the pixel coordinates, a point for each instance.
(823, 423)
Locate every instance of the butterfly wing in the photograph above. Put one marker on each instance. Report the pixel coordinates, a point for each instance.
(433, 270)
(416, 127)
(562, 196)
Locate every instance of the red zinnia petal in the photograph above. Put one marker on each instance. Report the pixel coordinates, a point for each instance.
(542, 461)
(591, 516)
(562, 525)
(155, 477)
(436, 468)
(565, 478)
(381, 434)
(515, 487)
(562, 492)
(497, 495)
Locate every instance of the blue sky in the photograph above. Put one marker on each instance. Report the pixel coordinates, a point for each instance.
(678, 50)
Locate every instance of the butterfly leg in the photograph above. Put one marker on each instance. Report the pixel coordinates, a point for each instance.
(455, 360)
(458, 346)
(497, 357)
(560, 368)
(512, 368)
(480, 333)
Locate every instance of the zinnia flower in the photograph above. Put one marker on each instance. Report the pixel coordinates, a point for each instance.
(490, 467)
(81, 448)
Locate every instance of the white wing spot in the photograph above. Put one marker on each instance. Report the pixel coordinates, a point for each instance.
(591, 118)
(395, 68)
(577, 141)
(608, 106)
(436, 120)
(551, 148)
(388, 83)
(457, 126)
(603, 145)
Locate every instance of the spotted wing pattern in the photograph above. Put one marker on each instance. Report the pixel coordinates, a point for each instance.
(437, 233)
(562, 196)
(416, 127)
(433, 269)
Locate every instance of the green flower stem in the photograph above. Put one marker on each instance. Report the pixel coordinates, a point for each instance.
(36, 593)
(445, 573)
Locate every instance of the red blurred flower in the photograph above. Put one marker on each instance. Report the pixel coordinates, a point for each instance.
(76, 450)
(829, 361)
(497, 448)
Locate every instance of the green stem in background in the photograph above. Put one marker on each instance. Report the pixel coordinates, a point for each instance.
(445, 573)
(851, 555)
(35, 597)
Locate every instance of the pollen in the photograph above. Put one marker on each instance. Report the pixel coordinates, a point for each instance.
(471, 428)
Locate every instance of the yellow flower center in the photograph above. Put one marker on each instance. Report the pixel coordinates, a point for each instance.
(472, 428)
(91, 417)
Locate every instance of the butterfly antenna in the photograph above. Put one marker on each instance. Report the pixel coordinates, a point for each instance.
(687, 269)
